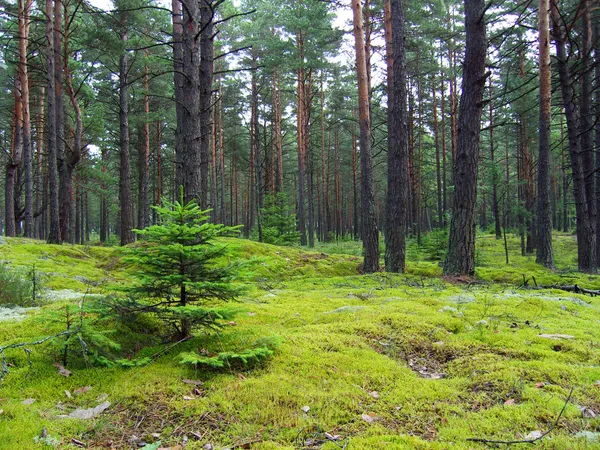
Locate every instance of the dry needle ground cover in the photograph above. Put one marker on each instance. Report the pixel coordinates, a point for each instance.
(366, 361)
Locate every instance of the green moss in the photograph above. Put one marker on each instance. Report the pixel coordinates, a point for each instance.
(446, 361)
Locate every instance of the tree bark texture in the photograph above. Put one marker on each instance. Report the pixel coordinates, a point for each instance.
(397, 200)
(460, 259)
(188, 160)
(369, 229)
(125, 200)
(544, 254)
(586, 237)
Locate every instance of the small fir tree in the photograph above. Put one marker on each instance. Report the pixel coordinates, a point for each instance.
(278, 222)
(178, 278)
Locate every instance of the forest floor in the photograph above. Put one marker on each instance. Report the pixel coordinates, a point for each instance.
(367, 361)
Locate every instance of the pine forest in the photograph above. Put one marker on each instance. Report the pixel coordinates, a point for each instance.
(304, 224)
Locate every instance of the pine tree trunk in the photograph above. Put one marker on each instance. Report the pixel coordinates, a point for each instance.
(444, 159)
(419, 179)
(586, 239)
(104, 213)
(460, 259)
(495, 207)
(310, 197)
(144, 158)
(438, 168)
(39, 177)
(24, 11)
(189, 159)
(59, 107)
(214, 168)
(71, 158)
(300, 110)
(125, 200)
(586, 124)
(278, 141)
(337, 183)
(159, 170)
(565, 182)
(596, 39)
(369, 230)
(325, 225)
(254, 149)
(544, 254)
(222, 178)
(51, 127)
(207, 52)
(178, 80)
(78, 209)
(397, 200)
(14, 163)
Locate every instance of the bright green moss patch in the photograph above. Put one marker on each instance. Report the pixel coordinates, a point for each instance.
(377, 361)
(63, 266)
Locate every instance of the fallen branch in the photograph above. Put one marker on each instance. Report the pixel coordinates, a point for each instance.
(576, 289)
(567, 288)
(528, 441)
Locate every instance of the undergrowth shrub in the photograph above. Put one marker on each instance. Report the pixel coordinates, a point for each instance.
(278, 221)
(251, 356)
(19, 287)
(434, 244)
(90, 336)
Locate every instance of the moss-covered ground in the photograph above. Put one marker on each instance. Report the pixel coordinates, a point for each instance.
(367, 361)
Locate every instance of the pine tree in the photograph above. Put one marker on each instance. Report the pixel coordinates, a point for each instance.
(178, 280)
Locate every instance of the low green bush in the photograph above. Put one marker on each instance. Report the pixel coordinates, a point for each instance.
(19, 287)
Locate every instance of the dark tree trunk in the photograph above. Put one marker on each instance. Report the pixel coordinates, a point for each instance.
(51, 127)
(188, 160)
(324, 210)
(438, 167)
(59, 108)
(13, 165)
(257, 202)
(24, 18)
(78, 209)
(586, 238)
(495, 208)
(301, 101)
(221, 150)
(72, 157)
(596, 39)
(444, 159)
(355, 198)
(586, 125)
(397, 200)
(144, 159)
(254, 157)
(565, 183)
(369, 230)
(104, 223)
(214, 167)
(310, 191)
(277, 113)
(178, 79)
(205, 82)
(461, 248)
(125, 200)
(39, 178)
(544, 254)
